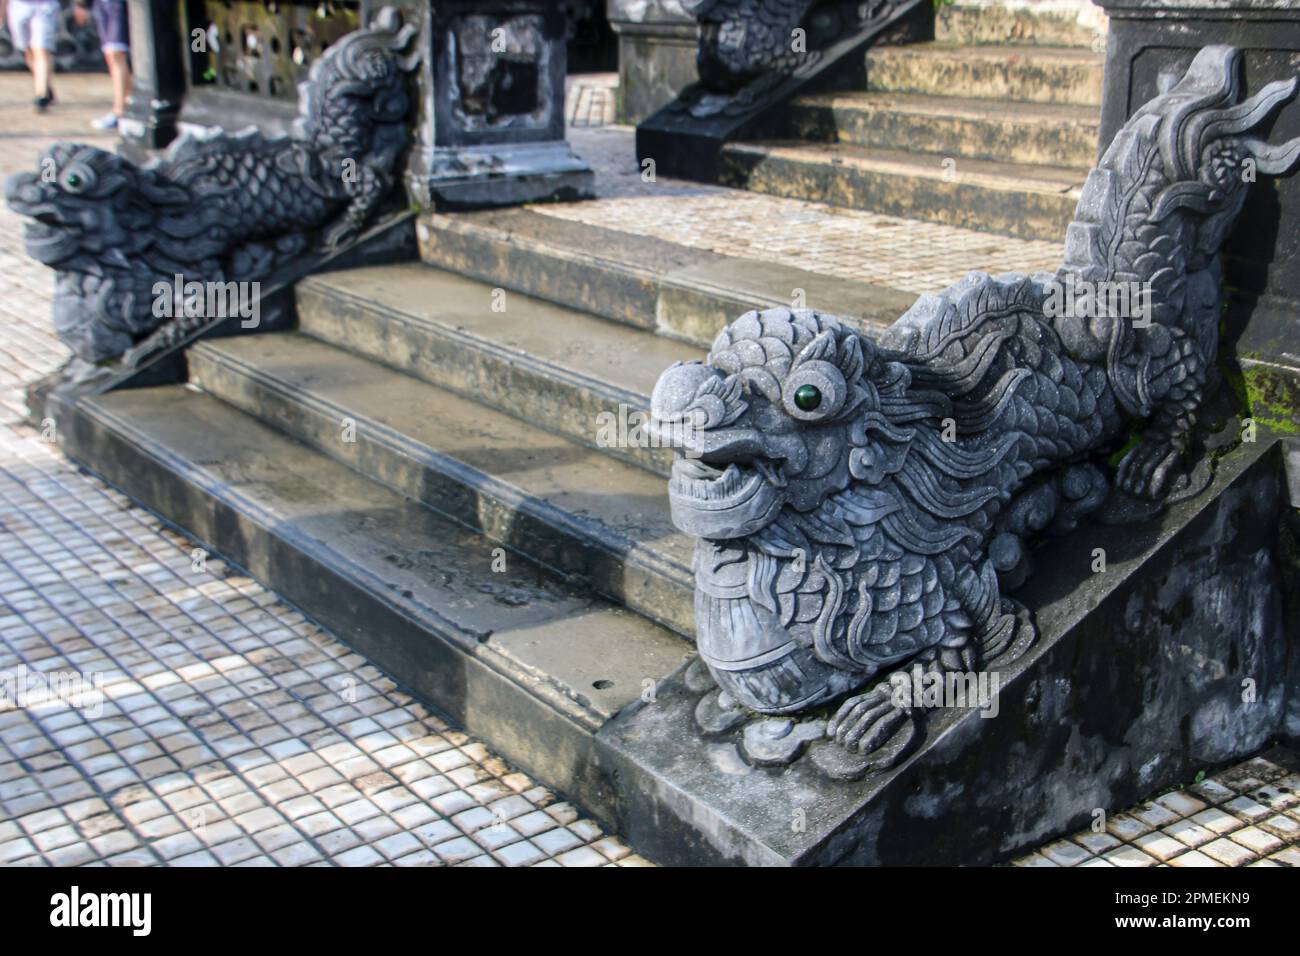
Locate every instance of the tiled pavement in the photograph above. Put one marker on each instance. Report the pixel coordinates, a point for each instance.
(232, 730)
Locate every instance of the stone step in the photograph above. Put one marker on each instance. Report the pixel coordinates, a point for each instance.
(1002, 130)
(1080, 25)
(1031, 74)
(567, 506)
(553, 367)
(674, 290)
(528, 663)
(1030, 202)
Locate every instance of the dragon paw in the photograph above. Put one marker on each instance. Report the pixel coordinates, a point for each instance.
(1147, 468)
(867, 723)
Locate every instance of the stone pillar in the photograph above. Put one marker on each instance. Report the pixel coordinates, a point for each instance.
(159, 76)
(1152, 41)
(657, 42)
(491, 131)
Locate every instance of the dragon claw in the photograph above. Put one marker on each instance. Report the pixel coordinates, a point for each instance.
(865, 723)
(1147, 468)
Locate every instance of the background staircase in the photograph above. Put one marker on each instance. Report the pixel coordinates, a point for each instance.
(992, 136)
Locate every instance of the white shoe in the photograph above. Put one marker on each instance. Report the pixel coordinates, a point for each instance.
(107, 121)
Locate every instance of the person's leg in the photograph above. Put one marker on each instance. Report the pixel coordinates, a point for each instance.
(19, 15)
(111, 21)
(42, 70)
(44, 32)
(119, 70)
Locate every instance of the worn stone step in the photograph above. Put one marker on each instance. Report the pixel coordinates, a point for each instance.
(987, 21)
(1031, 74)
(1001, 130)
(1031, 202)
(674, 290)
(544, 496)
(554, 367)
(528, 663)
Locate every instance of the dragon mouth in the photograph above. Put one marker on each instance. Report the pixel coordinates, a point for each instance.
(724, 500)
(48, 239)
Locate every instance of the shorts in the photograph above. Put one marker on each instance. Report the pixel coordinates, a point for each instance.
(111, 22)
(34, 23)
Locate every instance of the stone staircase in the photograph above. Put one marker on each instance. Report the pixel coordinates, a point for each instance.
(996, 136)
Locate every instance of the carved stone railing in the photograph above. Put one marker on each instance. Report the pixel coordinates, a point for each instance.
(753, 57)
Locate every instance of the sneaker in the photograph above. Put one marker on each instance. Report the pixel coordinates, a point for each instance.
(107, 121)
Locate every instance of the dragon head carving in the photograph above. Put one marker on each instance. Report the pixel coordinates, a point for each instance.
(790, 408)
(86, 202)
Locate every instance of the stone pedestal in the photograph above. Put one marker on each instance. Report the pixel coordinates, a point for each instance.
(1153, 40)
(657, 41)
(492, 132)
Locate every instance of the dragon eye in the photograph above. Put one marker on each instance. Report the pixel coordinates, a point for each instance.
(77, 179)
(814, 391)
(807, 397)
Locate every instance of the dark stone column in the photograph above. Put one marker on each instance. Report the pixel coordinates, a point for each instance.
(159, 74)
(1152, 40)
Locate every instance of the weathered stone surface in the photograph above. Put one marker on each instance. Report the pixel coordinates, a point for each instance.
(753, 57)
(1152, 41)
(494, 132)
(1077, 24)
(1006, 131)
(1031, 202)
(572, 372)
(1033, 75)
(676, 290)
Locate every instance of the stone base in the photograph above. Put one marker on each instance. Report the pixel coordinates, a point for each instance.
(473, 177)
(1171, 661)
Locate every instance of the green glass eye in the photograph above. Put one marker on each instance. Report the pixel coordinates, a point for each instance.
(73, 180)
(807, 397)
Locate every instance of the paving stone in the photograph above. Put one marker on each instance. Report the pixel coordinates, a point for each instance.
(1228, 853)
(1129, 856)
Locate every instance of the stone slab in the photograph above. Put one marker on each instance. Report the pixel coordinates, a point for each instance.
(675, 290)
(1030, 202)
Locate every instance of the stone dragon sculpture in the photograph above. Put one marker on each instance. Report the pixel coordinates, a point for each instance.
(222, 207)
(860, 505)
